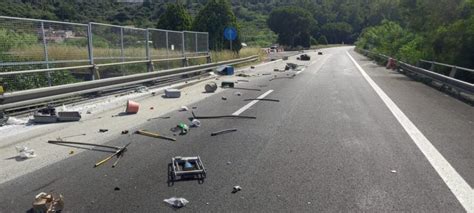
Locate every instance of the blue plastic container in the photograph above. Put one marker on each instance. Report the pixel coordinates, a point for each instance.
(229, 70)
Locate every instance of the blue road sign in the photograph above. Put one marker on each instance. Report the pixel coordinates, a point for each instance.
(230, 33)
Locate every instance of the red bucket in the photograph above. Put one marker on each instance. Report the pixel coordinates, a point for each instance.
(132, 107)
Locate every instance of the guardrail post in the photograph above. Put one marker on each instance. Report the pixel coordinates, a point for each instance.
(46, 57)
(432, 66)
(452, 74)
(90, 50)
(148, 57)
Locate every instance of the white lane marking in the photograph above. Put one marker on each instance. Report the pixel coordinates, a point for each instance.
(458, 186)
(238, 112)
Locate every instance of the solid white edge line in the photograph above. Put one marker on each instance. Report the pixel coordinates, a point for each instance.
(247, 106)
(458, 186)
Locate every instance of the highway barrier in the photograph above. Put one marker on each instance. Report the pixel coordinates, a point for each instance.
(33, 96)
(447, 81)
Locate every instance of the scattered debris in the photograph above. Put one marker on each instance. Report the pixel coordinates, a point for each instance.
(69, 116)
(263, 85)
(103, 130)
(196, 123)
(117, 188)
(261, 99)
(194, 107)
(161, 117)
(243, 88)
(393, 171)
(176, 202)
(48, 202)
(172, 93)
(285, 58)
(225, 70)
(124, 132)
(320, 53)
(184, 109)
(187, 167)
(152, 108)
(252, 67)
(305, 57)
(227, 84)
(223, 116)
(70, 136)
(238, 93)
(291, 66)
(154, 135)
(223, 132)
(243, 75)
(290, 77)
(25, 152)
(49, 115)
(235, 189)
(243, 80)
(132, 107)
(210, 87)
(183, 127)
(71, 152)
(3, 118)
(266, 73)
(88, 112)
(228, 162)
(224, 98)
(153, 93)
(141, 89)
(119, 151)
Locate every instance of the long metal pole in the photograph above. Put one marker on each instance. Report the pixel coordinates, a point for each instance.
(46, 57)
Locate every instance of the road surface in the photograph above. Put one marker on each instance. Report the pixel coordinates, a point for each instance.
(331, 144)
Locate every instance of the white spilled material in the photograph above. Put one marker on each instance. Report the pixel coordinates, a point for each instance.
(458, 186)
(238, 112)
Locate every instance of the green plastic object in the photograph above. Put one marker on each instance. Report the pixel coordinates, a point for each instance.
(183, 127)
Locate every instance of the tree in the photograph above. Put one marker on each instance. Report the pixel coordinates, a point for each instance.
(338, 32)
(175, 18)
(292, 24)
(214, 18)
(322, 40)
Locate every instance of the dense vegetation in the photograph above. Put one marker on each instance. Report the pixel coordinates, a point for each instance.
(439, 30)
(336, 20)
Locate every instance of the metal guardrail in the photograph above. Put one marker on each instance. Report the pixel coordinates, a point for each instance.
(447, 81)
(44, 51)
(453, 69)
(21, 98)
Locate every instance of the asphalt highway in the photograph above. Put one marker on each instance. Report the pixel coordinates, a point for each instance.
(330, 144)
